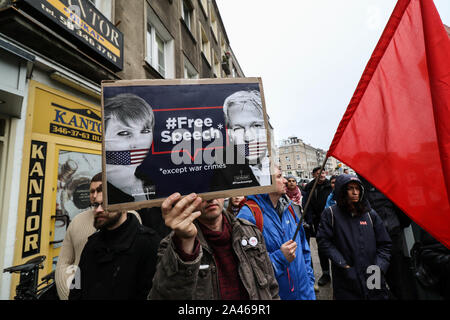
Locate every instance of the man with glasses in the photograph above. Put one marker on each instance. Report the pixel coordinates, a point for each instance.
(118, 261)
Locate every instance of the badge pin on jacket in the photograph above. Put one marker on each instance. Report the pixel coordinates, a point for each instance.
(253, 241)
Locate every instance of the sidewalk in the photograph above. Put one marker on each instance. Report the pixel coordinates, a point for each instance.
(326, 292)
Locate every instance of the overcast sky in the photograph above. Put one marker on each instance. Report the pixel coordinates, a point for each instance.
(310, 55)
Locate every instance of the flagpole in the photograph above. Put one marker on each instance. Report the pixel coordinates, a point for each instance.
(303, 211)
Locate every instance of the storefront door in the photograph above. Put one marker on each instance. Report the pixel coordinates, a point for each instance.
(75, 168)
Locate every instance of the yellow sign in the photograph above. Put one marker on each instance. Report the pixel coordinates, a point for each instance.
(59, 126)
(80, 23)
(56, 115)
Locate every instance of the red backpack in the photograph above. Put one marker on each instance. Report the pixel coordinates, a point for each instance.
(257, 213)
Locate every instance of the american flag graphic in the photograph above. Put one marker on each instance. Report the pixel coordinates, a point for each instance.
(252, 149)
(126, 157)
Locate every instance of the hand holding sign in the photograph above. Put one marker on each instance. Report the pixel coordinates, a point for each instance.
(179, 215)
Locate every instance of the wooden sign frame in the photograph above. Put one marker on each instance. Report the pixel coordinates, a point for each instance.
(182, 85)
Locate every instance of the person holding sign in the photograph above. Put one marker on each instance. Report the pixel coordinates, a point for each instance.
(210, 255)
(129, 124)
(248, 150)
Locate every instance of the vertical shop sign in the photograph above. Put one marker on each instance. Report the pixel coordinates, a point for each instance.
(34, 202)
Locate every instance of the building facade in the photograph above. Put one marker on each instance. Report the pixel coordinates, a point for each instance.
(53, 57)
(299, 159)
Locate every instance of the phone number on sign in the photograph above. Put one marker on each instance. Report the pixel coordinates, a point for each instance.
(64, 131)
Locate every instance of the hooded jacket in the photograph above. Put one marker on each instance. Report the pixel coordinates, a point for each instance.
(176, 279)
(359, 241)
(295, 279)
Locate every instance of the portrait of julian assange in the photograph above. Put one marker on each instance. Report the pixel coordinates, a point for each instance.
(247, 137)
(129, 125)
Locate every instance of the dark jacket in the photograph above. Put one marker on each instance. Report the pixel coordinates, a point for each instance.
(393, 218)
(431, 264)
(359, 241)
(118, 264)
(198, 279)
(152, 218)
(317, 202)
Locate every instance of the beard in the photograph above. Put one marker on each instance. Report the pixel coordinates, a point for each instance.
(108, 221)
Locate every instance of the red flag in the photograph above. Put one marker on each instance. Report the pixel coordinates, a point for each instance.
(396, 130)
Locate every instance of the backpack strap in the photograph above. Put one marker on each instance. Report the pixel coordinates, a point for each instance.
(291, 210)
(370, 218)
(257, 213)
(332, 216)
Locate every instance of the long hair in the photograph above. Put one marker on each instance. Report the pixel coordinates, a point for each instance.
(342, 201)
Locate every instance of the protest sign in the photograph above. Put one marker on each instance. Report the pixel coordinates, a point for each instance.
(208, 136)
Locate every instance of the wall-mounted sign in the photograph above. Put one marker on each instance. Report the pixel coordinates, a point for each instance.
(83, 21)
(35, 197)
(64, 117)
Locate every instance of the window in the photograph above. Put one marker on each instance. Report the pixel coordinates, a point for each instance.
(204, 5)
(206, 46)
(234, 72)
(104, 6)
(223, 45)
(289, 167)
(189, 70)
(159, 46)
(216, 66)
(214, 24)
(187, 13)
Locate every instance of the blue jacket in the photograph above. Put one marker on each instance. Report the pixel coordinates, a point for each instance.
(295, 279)
(330, 200)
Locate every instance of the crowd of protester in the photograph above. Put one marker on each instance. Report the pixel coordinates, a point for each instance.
(197, 249)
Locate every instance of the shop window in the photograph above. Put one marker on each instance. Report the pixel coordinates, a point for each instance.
(75, 171)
